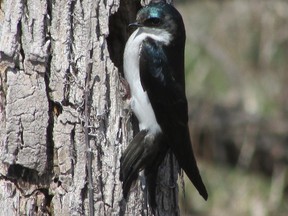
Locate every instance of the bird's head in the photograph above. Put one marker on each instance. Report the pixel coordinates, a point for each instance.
(158, 18)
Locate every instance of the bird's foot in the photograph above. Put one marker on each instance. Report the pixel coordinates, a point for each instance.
(125, 89)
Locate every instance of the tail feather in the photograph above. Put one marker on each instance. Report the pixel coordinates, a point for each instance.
(151, 174)
(129, 162)
(147, 151)
(142, 153)
(151, 179)
(187, 162)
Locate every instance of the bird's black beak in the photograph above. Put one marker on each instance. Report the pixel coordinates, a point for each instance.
(134, 25)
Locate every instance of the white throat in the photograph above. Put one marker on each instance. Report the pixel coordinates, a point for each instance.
(140, 103)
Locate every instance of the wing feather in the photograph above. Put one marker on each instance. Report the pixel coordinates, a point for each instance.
(168, 99)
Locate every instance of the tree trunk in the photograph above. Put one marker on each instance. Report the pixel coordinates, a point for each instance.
(64, 123)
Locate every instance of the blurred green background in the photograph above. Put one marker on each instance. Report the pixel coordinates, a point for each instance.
(237, 87)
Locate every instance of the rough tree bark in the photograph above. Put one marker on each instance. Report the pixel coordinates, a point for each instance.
(64, 123)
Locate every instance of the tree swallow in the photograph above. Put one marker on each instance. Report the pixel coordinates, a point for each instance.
(154, 69)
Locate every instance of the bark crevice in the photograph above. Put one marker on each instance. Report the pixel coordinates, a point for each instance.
(54, 54)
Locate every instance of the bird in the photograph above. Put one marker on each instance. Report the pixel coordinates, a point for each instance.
(153, 64)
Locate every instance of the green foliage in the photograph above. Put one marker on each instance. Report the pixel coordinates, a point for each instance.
(204, 74)
(232, 191)
(236, 56)
(237, 51)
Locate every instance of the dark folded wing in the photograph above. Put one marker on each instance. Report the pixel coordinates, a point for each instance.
(168, 99)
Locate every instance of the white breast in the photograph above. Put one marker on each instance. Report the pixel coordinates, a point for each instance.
(140, 103)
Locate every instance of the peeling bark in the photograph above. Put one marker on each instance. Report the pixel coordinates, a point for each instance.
(47, 50)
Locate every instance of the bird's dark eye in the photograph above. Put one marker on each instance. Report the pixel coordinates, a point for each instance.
(152, 22)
